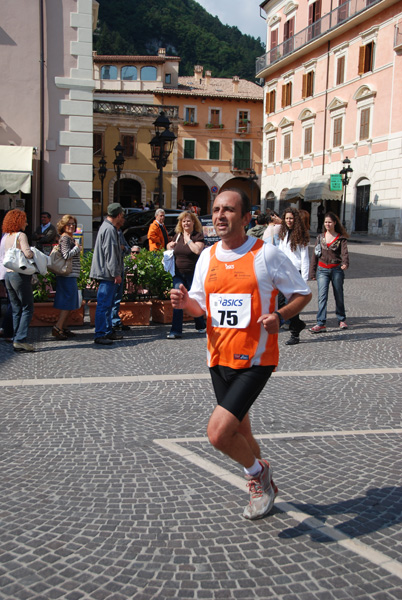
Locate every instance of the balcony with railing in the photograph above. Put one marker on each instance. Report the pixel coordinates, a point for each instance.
(136, 110)
(243, 126)
(239, 165)
(340, 15)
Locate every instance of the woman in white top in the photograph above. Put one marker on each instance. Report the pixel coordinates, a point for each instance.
(293, 241)
(19, 286)
(272, 231)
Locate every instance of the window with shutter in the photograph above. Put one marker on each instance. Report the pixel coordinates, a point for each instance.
(343, 10)
(270, 102)
(314, 16)
(337, 139)
(271, 151)
(364, 124)
(98, 144)
(308, 140)
(286, 94)
(308, 84)
(189, 149)
(340, 70)
(128, 144)
(286, 146)
(366, 58)
(288, 35)
(214, 148)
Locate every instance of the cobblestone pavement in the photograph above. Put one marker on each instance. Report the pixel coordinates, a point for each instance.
(110, 489)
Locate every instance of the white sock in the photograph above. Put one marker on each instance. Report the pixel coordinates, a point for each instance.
(255, 469)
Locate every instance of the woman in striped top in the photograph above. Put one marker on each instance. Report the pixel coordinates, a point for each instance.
(67, 298)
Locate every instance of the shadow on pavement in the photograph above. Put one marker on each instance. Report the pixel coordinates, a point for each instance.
(378, 509)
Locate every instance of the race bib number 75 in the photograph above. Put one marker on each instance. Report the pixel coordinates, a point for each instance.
(231, 311)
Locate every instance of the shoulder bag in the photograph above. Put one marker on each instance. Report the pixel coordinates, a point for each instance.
(58, 264)
(318, 249)
(15, 259)
(168, 260)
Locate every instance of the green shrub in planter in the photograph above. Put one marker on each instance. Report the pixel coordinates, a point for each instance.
(43, 287)
(146, 272)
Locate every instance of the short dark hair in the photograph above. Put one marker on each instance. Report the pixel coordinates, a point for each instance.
(262, 220)
(245, 200)
(49, 216)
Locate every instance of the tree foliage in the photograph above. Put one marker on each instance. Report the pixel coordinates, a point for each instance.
(184, 28)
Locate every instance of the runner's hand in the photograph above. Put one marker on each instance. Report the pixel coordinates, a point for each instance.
(270, 322)
(179, 297)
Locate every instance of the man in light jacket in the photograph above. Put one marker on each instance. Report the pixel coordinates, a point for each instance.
(107, 268)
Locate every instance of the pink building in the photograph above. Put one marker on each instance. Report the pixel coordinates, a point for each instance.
(333, 88)
(46, 105)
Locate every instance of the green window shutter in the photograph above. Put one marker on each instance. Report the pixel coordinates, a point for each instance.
(189, 148)
(214, 150)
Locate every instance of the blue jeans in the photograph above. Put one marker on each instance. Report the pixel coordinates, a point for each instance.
(118, 295)
(177, 323)
(103, 315)
(324, 276)
(19, 288)
(7, 324)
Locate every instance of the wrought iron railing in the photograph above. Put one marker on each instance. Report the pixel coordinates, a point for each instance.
(241, 164)
(136, 110)
(341, 14)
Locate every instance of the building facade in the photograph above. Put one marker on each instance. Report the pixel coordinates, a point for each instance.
(46, 109)
(218, 124)
(333, 83)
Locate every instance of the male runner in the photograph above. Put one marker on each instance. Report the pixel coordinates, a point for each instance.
(236, 282)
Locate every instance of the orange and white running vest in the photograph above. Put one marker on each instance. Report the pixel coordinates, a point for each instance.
(233, 300)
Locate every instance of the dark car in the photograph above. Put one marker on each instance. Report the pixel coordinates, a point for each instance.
(136, 225)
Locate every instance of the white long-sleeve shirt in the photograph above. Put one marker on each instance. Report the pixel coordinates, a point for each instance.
(299, 257)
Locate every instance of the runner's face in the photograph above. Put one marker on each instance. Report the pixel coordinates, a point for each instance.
(226, 216)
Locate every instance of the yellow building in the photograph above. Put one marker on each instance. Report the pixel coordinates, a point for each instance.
(218, 124)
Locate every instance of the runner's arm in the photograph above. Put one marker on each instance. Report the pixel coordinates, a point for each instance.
(181, 300)
(295, 305)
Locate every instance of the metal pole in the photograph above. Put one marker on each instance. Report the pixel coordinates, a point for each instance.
(345, 185)
(102, 208)
(161, 185)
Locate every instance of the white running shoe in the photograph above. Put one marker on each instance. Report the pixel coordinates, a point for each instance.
(262, 493)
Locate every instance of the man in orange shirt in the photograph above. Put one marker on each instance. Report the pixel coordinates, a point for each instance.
(236, 282)
(157, 234)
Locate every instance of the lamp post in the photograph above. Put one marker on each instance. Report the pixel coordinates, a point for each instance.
(161, 147)
(252, 178)
(118, 164)
(346, 174)
(102, 174)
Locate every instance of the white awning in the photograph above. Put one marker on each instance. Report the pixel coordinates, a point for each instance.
(15, 169)
(319, 189)
(295, 193)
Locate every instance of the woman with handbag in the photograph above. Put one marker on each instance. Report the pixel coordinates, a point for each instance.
(293, 241)
(67, 297)
(187, 246)
(329, 263)
(18, 284)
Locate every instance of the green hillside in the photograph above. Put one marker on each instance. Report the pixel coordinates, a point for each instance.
(184, 28)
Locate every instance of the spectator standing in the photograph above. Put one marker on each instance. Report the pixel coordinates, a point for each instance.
(67, 297)
(236, 282)
(329, 268)
(19, 285)
(320, 217)
(293, 241)
(107, 267)
(158, 237)
(259, 229)
(46, 234)
(187, 246)
(6, 330)
(271, 234)
(117, 324)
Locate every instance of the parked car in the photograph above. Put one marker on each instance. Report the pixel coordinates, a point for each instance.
(136, 225)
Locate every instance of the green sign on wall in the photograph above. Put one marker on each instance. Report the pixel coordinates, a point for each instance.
(336, 183)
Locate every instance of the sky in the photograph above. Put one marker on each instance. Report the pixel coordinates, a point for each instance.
(245, 14)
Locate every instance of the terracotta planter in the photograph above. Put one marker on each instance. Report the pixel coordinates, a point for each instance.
(45, 315)
(162, 312)
(131, 313)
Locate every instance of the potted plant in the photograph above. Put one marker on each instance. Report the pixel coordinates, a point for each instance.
(45, 315)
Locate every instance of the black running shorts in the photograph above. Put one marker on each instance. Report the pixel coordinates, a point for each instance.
(237, 389)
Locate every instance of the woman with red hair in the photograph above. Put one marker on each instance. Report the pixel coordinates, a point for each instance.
(19, 286)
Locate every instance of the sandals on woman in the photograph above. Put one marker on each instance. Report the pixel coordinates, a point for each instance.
(58, 333)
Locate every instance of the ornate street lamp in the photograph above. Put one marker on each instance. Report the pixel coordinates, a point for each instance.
(102, 174)
(346, 173)
(161, 147)
(118, 164)
(252, 178)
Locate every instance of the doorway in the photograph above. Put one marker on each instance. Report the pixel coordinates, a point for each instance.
(362, 205)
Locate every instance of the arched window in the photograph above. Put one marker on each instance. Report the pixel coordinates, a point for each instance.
(108, 72)
(129, 73)
(270, 201)
(148, 74)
